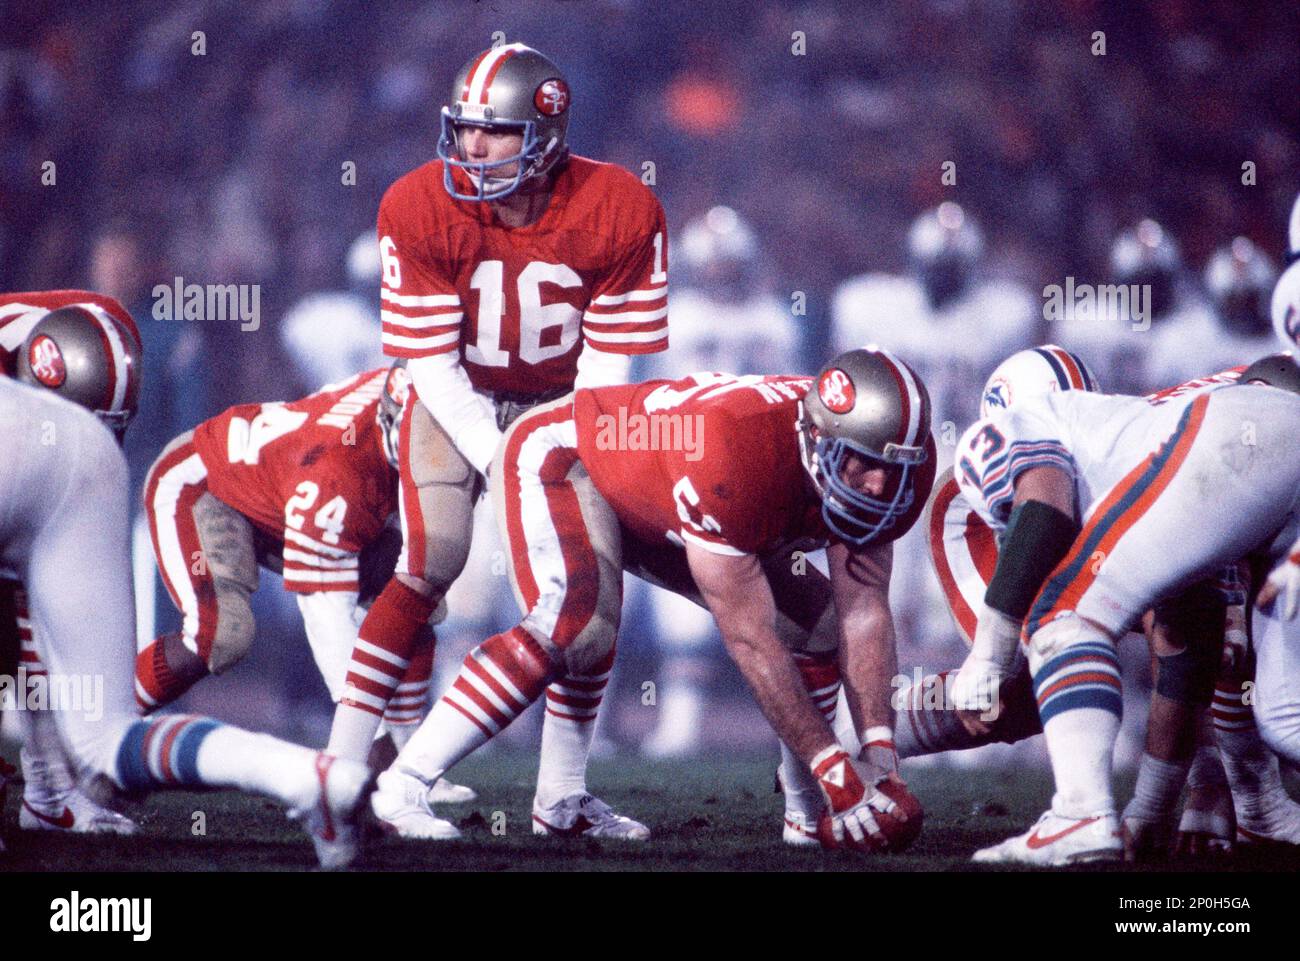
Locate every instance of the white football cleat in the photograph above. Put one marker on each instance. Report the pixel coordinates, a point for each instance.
(331, 819)
(581, 815)
(1056, 841)
(402, 805)
(800, 830)
(72, 813)
(1281, 825)
(445, 792)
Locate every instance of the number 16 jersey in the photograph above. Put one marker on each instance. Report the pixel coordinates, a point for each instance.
(519, 303)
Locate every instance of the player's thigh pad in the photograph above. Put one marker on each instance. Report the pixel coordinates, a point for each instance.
(226, 538)
(563, 540)
(438, 491)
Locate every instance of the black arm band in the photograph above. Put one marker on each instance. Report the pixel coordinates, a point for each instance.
(1036, 538)
(1194, 620)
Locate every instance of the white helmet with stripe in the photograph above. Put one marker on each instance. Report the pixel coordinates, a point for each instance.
(1032, 373)
(515, 88)
(85, 355)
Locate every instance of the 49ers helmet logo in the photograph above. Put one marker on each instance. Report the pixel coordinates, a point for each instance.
(552, 97)
(46, 361)
(836, 391)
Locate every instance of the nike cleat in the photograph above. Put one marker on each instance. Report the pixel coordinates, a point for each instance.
(401, 803)
(445, 792)
(73, 813)
(1056, 841)
(581, 815)
(331, 820)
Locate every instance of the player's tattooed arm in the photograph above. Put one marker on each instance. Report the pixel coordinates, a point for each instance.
(868, 654)
(738, 594)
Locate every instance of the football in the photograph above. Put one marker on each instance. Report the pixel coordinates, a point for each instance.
(899, 833)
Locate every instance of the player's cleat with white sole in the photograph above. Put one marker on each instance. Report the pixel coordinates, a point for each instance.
(445, 792)
(72, 813)
(1206, 833)
(1056, 841)
(331, 818)
(1281, 825)
(401, 803)
(581, 815)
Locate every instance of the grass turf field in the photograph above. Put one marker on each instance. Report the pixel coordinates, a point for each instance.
(706, 815)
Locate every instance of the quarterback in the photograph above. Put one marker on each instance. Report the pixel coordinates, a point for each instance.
(846, 463)
(511, 270)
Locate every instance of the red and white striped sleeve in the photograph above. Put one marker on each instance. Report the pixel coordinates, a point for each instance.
(310, 565)
(628, 313)
(420, 310)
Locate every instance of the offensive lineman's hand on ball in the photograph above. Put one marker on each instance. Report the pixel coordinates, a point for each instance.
(869, 811)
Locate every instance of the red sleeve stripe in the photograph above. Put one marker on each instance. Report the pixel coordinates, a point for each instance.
(653, 326)
(433, 344)
(626, 316)
(642, 294)
(398, 330)
(418, 300)
(631, 337)
(416, 322)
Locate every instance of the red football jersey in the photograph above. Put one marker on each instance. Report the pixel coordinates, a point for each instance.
(711, 459)
(519, 302)
(20, 312)
(311, 472)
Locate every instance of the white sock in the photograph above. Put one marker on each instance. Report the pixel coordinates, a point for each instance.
(1080, 743)
(802, 795)
(1159, 784)
(353, 732)
(401, 733)
(925, 725)
(568, 727)
(231, 757)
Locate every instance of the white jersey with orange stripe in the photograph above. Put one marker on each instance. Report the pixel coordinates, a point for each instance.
(1098, 439)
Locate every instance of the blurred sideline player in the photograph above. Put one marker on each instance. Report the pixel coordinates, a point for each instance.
(510, 269)
(66, 532)
(86, 348)
(1133, 475)
(303, 488)
(954, 324)
(847, 466)
(724, 317)
(332, 334)
(964, 551)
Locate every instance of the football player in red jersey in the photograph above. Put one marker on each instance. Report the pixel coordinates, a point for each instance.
(511, 270)
(84, 347)
(305, 488)
(705, 485)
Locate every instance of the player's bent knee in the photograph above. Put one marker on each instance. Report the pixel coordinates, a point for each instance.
(1064, 632)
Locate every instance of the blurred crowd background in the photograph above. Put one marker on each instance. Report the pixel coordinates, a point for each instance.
(804, 144)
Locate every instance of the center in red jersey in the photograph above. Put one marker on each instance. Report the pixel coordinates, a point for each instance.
(710, 459)
(519, 303)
